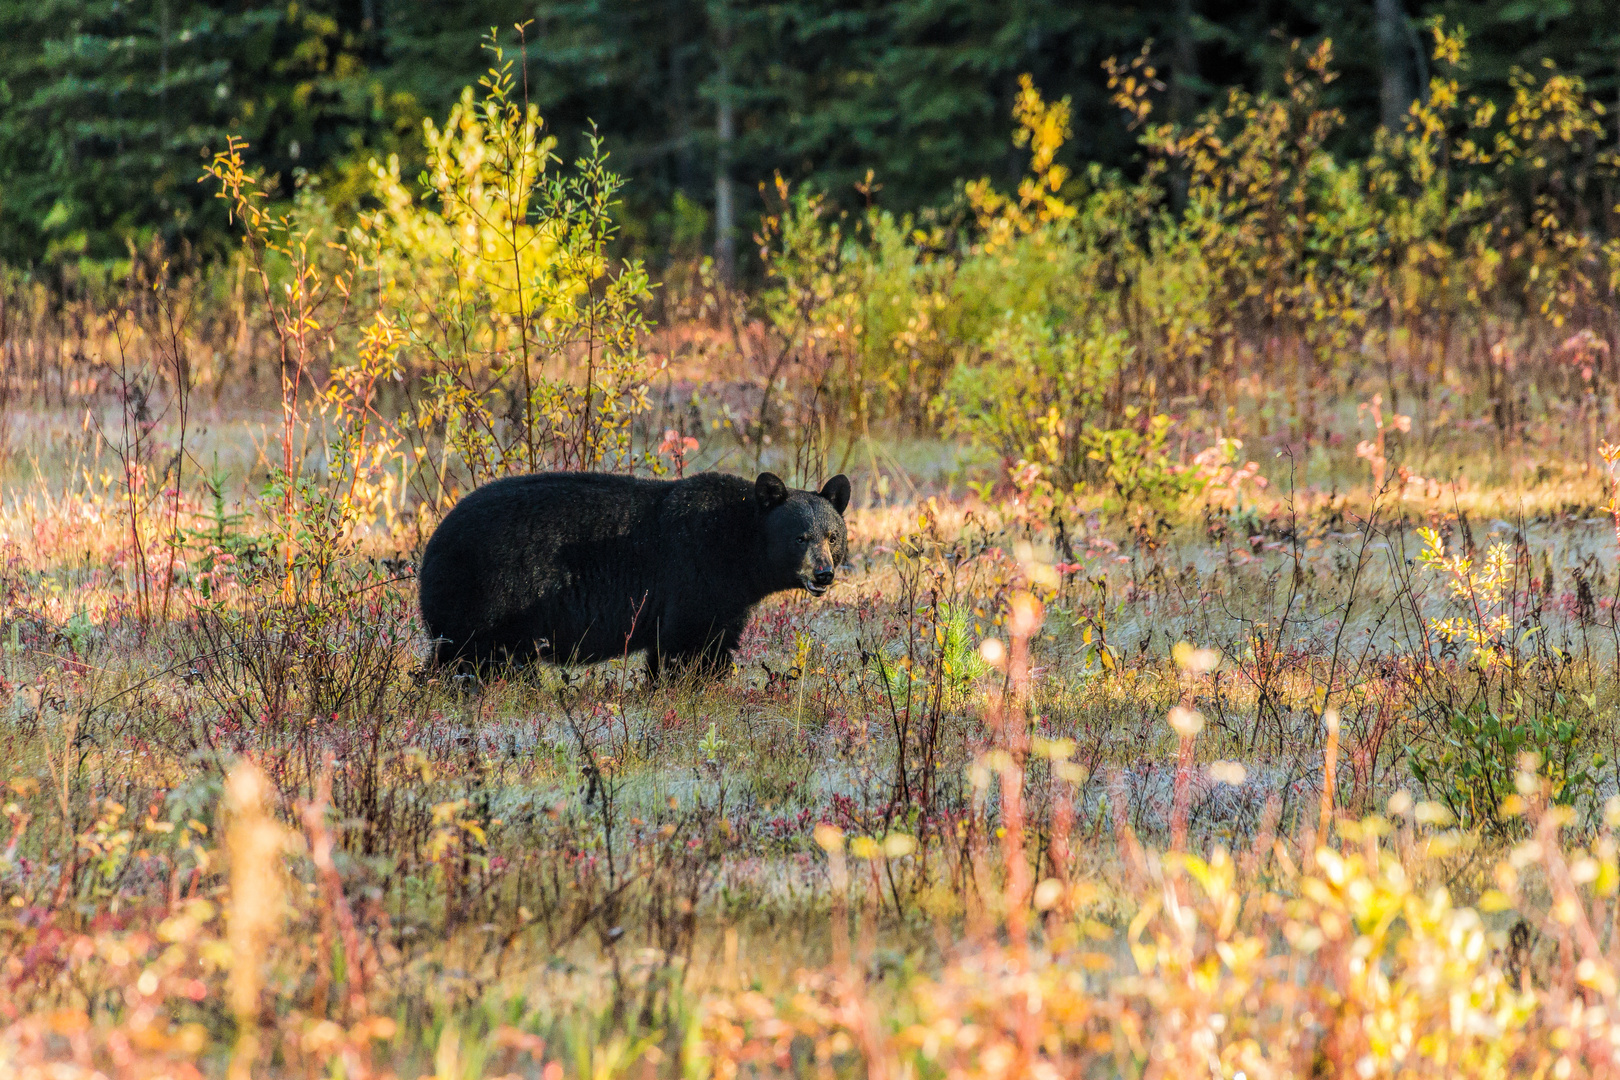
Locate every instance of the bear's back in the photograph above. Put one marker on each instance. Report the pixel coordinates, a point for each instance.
(577, 559)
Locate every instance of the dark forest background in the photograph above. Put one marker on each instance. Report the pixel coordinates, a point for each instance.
(109, 108)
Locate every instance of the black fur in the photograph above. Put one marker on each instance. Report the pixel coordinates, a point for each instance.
(580, 567)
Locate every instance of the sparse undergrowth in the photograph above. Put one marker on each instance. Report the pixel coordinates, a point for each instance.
(1014, 799)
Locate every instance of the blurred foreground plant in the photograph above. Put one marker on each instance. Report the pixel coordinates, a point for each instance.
(1336, 953)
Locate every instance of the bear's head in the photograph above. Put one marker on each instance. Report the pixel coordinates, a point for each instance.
(805, 539)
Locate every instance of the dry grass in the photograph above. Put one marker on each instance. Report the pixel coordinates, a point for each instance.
(249, 839)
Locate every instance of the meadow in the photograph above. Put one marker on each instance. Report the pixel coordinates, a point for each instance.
(1223, 681)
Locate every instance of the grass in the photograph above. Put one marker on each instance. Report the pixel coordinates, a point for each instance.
(256, 837)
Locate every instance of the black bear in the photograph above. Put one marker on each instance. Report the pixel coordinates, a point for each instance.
(579, 567)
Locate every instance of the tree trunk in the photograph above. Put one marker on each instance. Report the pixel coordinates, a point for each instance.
(680, 131)
(1398, 86)
(1184, 66)
(1183, 94)
(725, 226)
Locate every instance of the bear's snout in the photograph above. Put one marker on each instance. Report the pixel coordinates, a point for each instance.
(819, 575)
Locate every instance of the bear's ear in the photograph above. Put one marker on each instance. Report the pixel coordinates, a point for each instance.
(770, 491)
(836, 491)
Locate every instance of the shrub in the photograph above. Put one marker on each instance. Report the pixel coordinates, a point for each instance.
(490, 297)
(1246, 248)
(1469, 763)
(499, 293)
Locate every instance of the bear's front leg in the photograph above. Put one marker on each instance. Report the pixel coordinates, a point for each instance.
(707, 657)
(705, 665)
